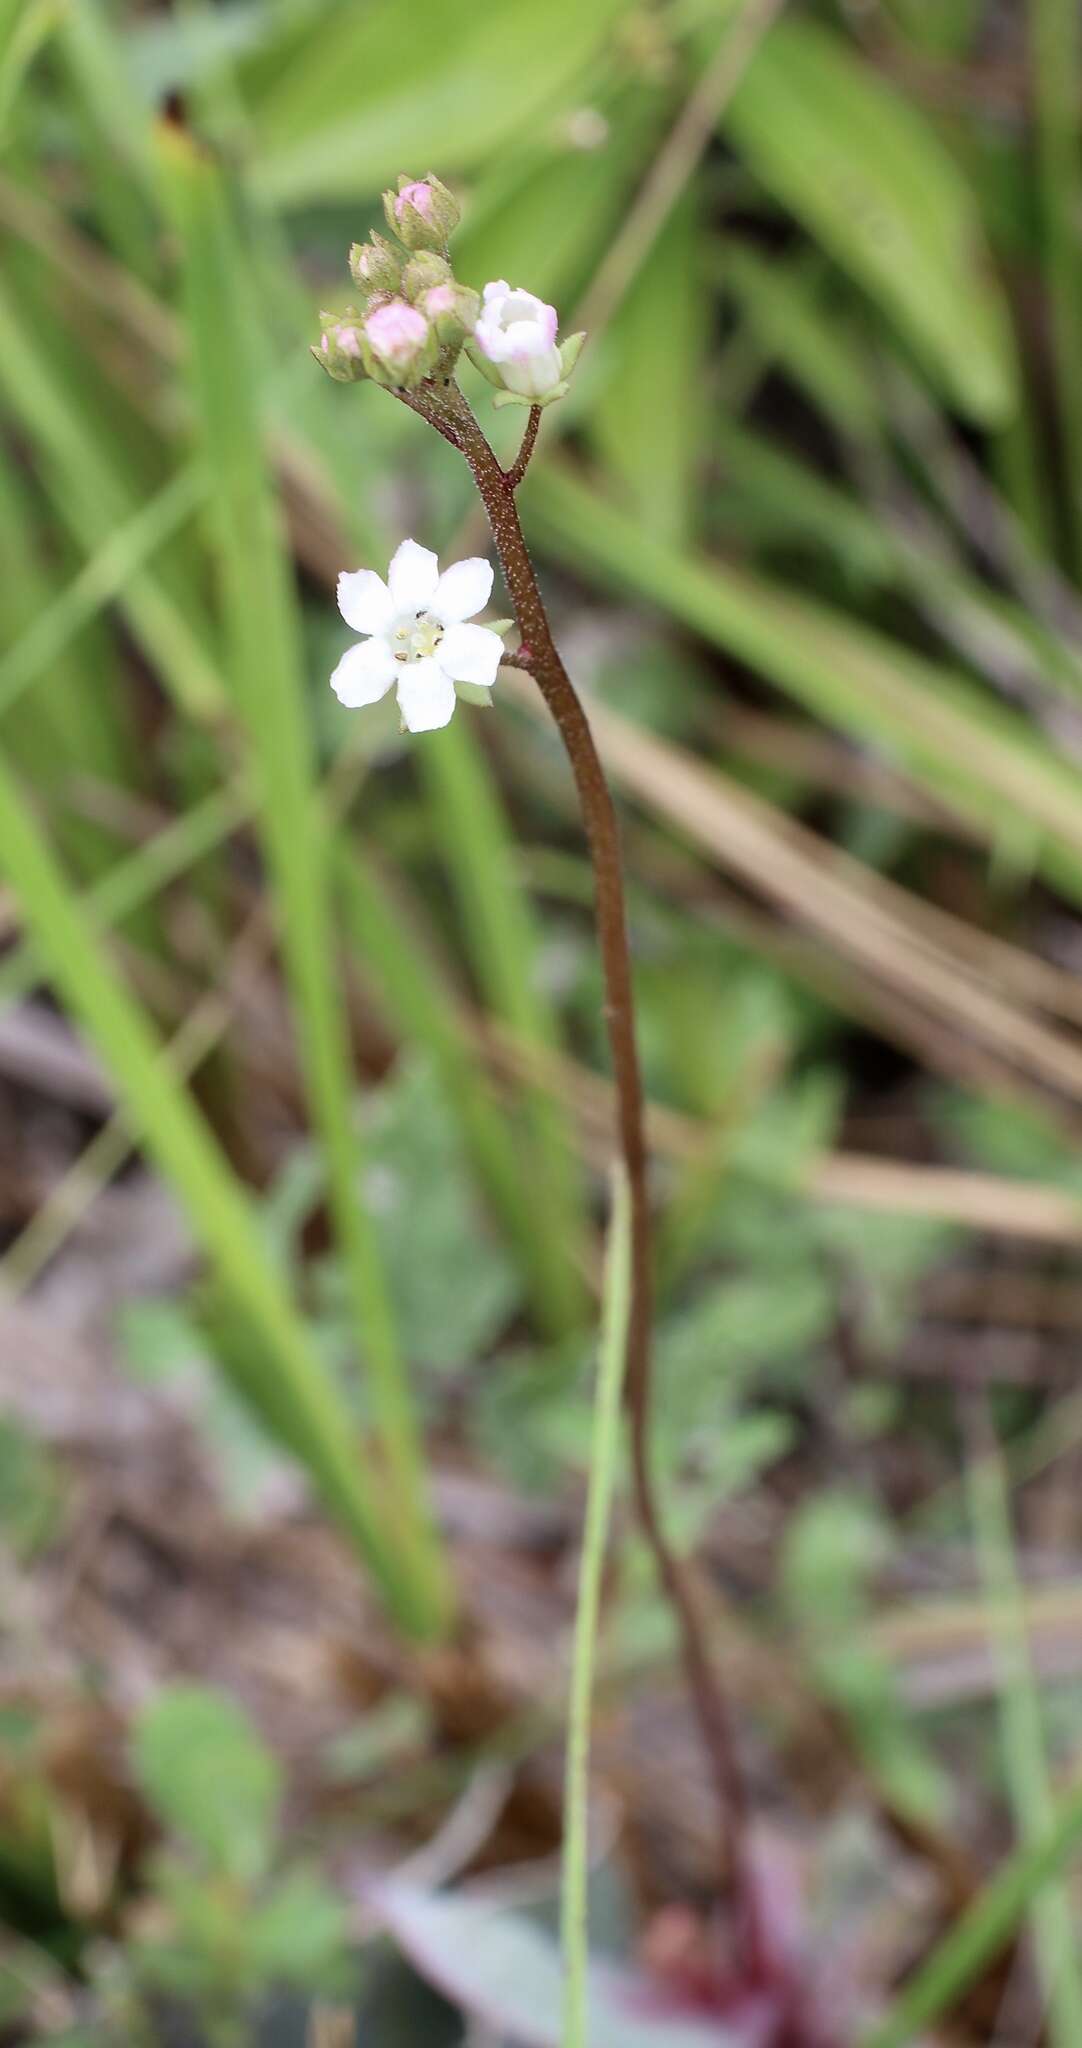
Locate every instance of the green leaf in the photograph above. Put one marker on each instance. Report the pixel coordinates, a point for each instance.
(300, 1934)
(429, 1231)
(987, 758)
(29, 1493)
(362, 101)
(867, 176)
(803, 333)
(285, 1382)
(263, 658)
(648, 415)
(209, 1777)
(503, 1969)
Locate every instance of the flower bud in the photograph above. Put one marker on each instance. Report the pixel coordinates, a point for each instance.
(422, 213)
(422, 272)
(340, 350)
(452, 309)
(514, 345)
(397, 344)
(375, 266)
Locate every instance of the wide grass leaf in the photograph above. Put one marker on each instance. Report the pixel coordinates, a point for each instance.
(363, 99)
(867, 176)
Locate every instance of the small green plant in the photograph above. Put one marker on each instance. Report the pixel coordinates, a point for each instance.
(230, 1917)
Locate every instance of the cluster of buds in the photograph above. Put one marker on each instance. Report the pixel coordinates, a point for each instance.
(413, 318)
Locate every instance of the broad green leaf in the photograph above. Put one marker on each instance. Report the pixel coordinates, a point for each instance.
(209, 1777)
(25, 26)
(548, 216)
(803, 333)
(648, 412)
(866, 175)
(363, 99)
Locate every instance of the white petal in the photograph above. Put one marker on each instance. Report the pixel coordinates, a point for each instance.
(426, 696)
(413, 576)
(471, 654)
(463, 589)
(364, 674)
(364, 601)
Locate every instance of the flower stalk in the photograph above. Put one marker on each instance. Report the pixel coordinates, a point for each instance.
(446, 409)
(515, 344)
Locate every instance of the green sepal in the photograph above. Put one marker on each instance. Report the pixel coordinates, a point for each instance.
(481, 362)
(422, 272)
(519, 398)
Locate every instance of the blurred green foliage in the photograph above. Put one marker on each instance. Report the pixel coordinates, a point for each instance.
(811, 526)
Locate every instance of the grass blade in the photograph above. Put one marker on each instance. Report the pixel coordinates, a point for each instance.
(288, 1385)
(983, 1930)
(1055, 42)
(1024, 1760)
(424, 1010)
(859, 165)
(988, 761)
(499, 929)
(261, 630)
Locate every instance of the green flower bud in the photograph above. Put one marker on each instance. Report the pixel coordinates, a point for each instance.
(341, 348)
(375, 266)
(422, 272)
(422, 213)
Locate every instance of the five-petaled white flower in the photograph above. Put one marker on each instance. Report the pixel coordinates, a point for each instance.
(418, 637)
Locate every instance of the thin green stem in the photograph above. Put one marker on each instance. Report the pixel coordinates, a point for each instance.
(604, 1445)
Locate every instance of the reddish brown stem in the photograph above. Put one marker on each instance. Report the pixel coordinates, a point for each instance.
(513, 476)
(446, 409)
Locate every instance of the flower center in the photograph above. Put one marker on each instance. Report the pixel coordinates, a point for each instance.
(516, 307)
(417, 638)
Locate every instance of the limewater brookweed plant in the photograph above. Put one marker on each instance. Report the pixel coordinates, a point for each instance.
(412, 324)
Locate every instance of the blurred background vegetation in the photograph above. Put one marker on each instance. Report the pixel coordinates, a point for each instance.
(302, 1075)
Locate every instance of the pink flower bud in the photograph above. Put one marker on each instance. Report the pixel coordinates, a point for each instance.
(396, 331)
(419, 194)
(399, 346)
(340, 350)
(422, 213)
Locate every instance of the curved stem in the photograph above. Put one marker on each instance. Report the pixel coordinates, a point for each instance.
(446, 409)
(521, 463)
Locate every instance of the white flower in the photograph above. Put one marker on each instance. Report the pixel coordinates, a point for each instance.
(418, 637)
(517, 333)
